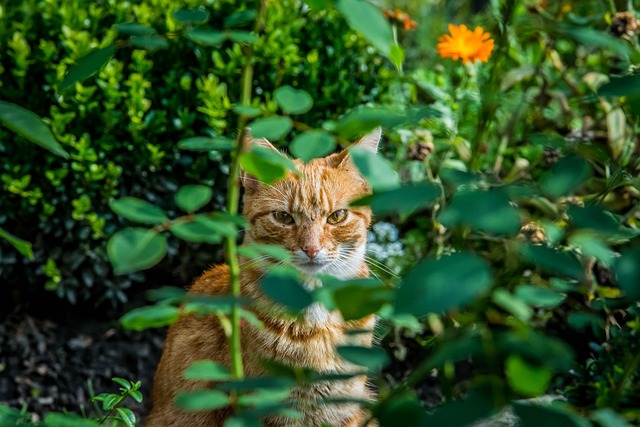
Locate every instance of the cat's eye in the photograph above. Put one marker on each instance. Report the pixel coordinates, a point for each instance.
(337, 217)
(283, 217)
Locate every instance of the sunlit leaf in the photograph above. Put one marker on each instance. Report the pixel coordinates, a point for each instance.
(376, 169)
(87, 65)
(369, 21)
(138, 210)
(525, 378)
(364, 119)
(271, 128)
(358, 300)
(242, 37)
(126, 416)
(266, 165)
(68, 420)
(512, 304)
(207, 370)
(202, 400)
(21, 246)
(202, 228)
(190, 198)
(29, 126)
(134, 249)
(312, 144)
(293, 101)
(154, 316)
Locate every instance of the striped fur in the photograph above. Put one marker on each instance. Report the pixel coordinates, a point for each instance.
(323, 187)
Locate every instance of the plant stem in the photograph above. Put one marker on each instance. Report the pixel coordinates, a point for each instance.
(233, 198)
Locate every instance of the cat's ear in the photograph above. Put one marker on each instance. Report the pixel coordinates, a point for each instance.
(250, 182)
(368, 142)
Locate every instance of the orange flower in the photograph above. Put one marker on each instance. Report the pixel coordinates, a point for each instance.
(466, 45)
(402, 18)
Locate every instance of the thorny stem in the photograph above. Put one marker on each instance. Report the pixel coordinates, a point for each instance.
(233, 198)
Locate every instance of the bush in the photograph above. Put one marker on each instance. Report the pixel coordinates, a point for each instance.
(121, 128)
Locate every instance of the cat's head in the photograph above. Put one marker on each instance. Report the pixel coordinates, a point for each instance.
(309, 214)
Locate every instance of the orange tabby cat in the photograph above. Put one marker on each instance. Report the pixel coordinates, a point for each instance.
(309, 215)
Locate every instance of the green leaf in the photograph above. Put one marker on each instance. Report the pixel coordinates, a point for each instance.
(151, 43)
(593, 218)
(21, 246)
(191, 16)
(358, 300)
(202, 228)
(242, 37)
(364, 119)
(286, 290)
(202, 400)
(87, 65)
(512, 304)
(203, 143)
(488, 211)
(122, 383)
(247, 110)
(190, 198)
(138, 210)
(396, 55)
(240, 18)
(537, 348)
(621, 86)
(293, 101)
(627, 271)
(127, 416)
(68, 420)
(153, 316)
(369, 21)
(516, 75)
(255, 250)
(536, 416)
(28, 125)
(464, 412)
(265, 164)
(134, 29)
(591, 37)
(580, 320)
(593, 246)
(401, 410)
(206, 37)
(312, 144)
(271, 128)
(376, 169)
(134, 249)
(607, 417)
(136, 395)
(537, 296)
(207, 370)
(428, 287)
(403, 200)
(565, 176)
(553, 261)
(375, 359)
(525, 378)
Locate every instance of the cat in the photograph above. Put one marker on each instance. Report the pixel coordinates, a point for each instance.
(309, 215)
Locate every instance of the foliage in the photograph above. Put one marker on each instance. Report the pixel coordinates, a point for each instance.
(113, 413)
(122, 93)
(515, 193)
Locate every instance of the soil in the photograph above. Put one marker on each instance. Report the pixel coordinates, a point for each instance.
(57, 362)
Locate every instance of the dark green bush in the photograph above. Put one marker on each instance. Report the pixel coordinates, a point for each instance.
(122, 126)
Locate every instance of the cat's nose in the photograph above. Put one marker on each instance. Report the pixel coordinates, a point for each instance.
(311, 251)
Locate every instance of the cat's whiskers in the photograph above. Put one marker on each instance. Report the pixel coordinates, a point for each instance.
(377, 252)
(277, 190)
(379, 265)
